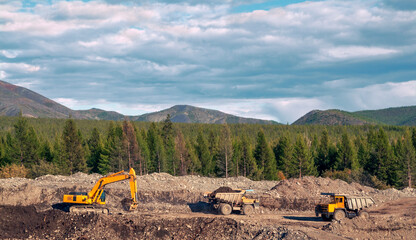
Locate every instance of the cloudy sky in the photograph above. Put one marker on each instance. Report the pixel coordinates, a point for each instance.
(274, 59)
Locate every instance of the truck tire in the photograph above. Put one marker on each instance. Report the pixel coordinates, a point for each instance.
(225, 208)
(248, 209)
(339, 214)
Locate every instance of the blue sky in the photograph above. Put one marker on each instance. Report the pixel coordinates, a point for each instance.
(263, 59)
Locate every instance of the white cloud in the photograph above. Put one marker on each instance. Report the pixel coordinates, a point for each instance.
(353, 52)
(385, 95)
(274, 64)
(10, 53)
(3, 75)
(19, 67)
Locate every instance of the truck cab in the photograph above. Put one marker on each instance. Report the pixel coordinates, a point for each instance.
(342, 205)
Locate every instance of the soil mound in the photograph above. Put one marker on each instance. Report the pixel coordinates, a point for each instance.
(223, 190)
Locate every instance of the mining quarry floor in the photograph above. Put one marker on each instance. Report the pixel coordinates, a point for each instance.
(174, 208)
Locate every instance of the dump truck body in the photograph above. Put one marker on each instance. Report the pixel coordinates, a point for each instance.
(342, 206)
(225, 202)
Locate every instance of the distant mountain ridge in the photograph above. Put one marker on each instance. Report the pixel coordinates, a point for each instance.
(399, 116)
(191, 114)
(15, 99)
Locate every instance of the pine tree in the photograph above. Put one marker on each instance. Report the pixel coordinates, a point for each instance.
(264, 158)
(72, 151)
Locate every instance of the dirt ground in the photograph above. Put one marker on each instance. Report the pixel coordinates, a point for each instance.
(174, 208)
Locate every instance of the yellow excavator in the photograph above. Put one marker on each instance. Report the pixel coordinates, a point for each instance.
(91, 201)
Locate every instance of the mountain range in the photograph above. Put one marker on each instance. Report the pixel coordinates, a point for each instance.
(15, 99)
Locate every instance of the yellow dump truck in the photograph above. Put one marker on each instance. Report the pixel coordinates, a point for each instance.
(342, 205)
(232, 199)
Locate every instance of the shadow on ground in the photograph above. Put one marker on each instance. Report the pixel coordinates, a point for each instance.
(309, 219)
(61, 206)
(202, 207)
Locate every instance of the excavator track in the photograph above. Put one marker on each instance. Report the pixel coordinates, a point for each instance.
(86, 209)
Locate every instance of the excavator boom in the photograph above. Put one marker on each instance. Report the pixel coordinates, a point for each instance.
(96, 197)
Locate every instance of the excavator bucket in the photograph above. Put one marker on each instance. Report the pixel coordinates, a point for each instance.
(133, 206)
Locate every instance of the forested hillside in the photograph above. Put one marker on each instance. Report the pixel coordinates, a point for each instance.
(374, 155)
(398, 116)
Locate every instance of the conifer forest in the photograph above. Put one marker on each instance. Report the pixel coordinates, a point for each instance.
(377, 156)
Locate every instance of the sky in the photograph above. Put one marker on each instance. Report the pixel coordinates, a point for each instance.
(273, 60)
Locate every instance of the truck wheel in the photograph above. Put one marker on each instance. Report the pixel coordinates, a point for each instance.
(248, 209)
(225, 209)
(339, 214)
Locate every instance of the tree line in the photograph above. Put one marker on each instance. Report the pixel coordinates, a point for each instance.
(378, 156)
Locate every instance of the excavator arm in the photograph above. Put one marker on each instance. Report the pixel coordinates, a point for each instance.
(97, 194)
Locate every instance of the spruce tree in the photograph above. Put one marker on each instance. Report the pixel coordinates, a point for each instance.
(195, 165)
(382, 159)
(130, 143)
(46, 153)
(182, 154)
(27, 143)
(408, 160)
(96, 147)
(72, 151)
(114, 145)
(202, 151)
(248, 161)
(283, 152)
(346, 157)
(224, 160)
(265, 158)
(168, 136)
(103, 165)
(303, 163)
(156, 148)
(322, 159)
(143, 153)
